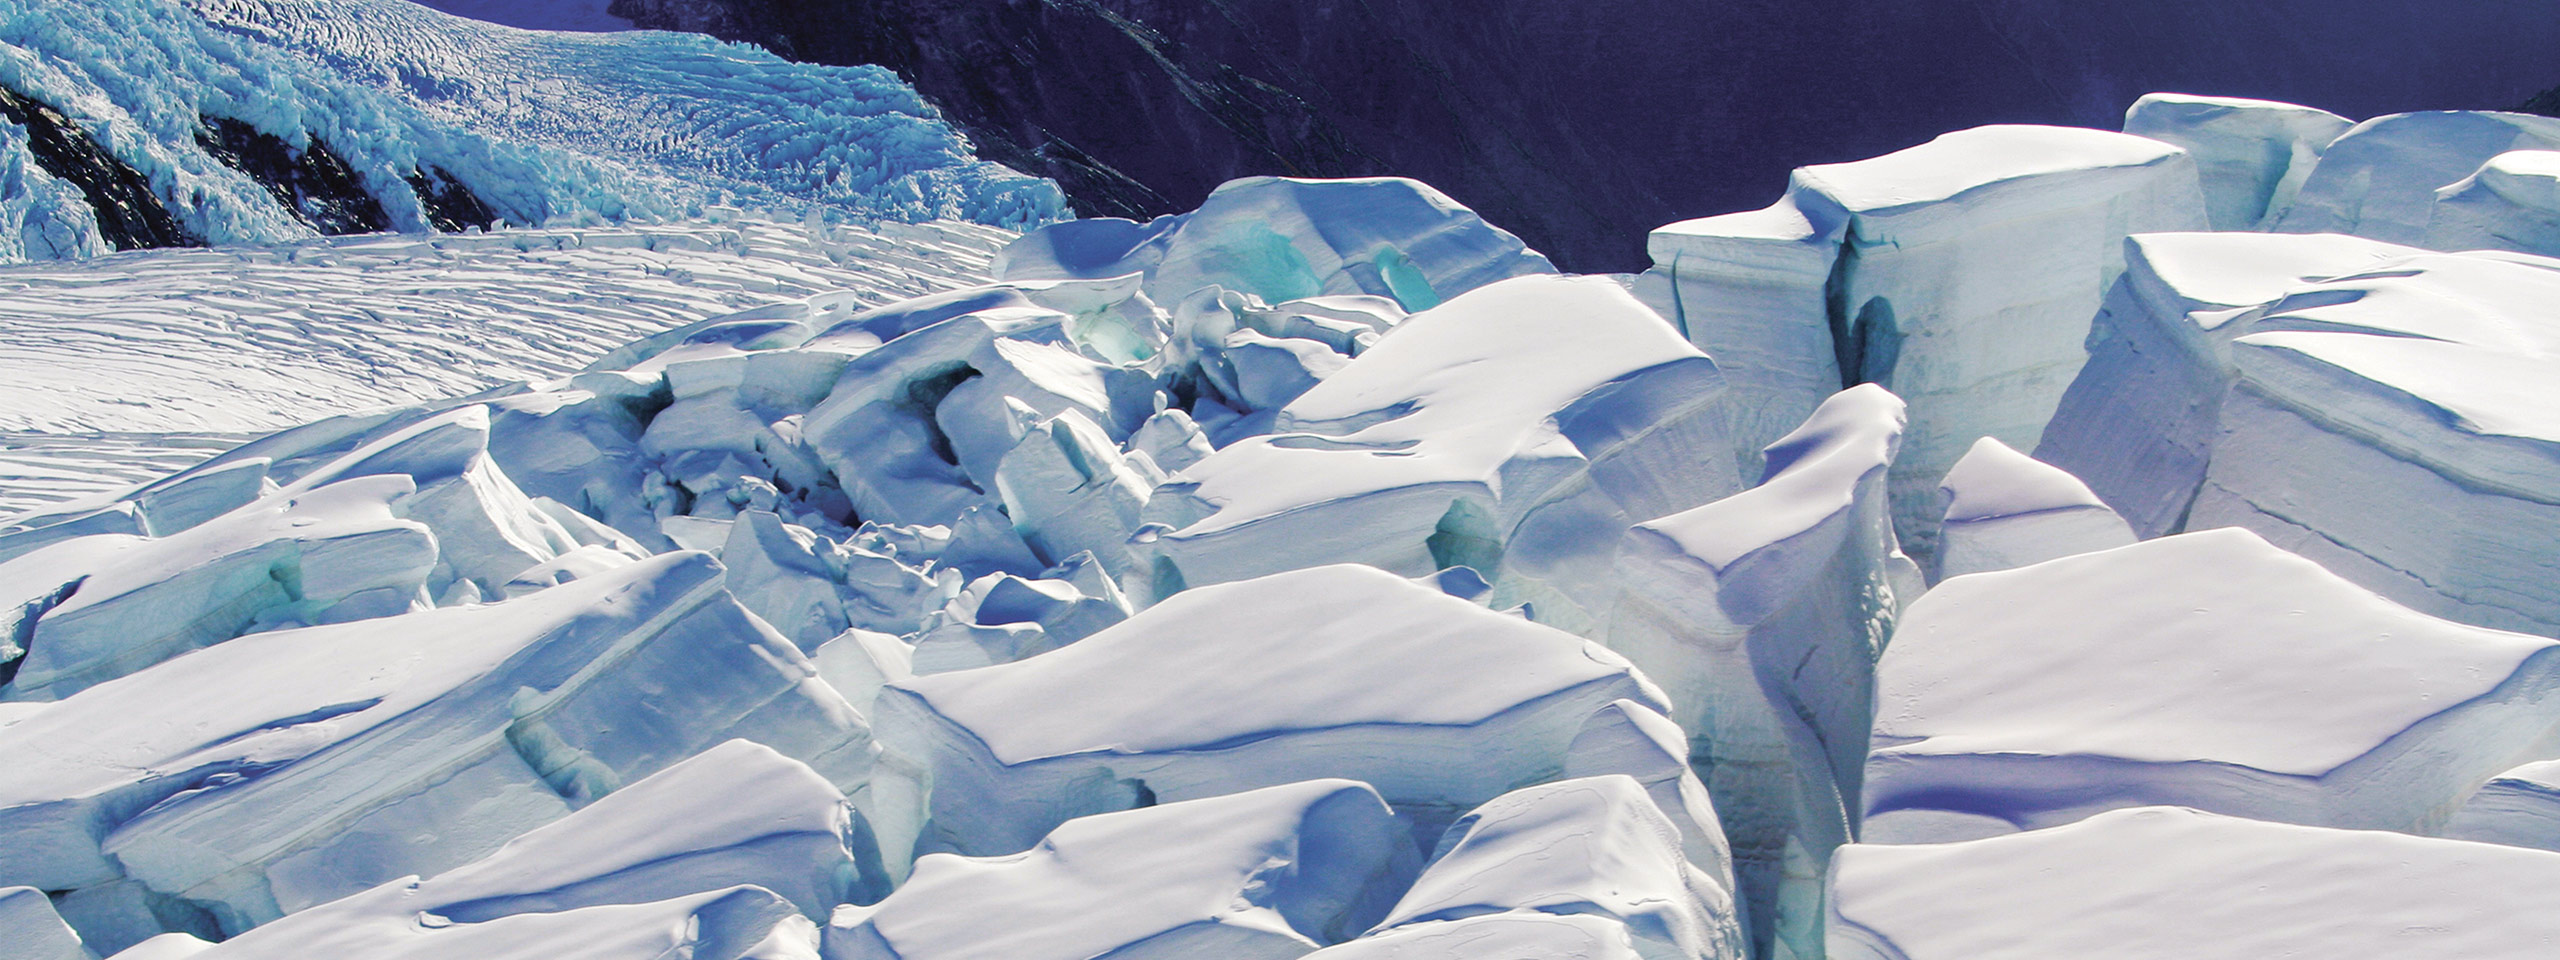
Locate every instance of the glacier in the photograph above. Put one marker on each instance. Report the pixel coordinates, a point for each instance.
(1318, 573)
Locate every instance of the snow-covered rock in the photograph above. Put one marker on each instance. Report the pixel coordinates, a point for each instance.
(1274, 872)
(1505, 430)
(30, 930)
(1282, 239)
(2398, 426)
(1336, 671)
(1762, 615)
(2007, 510)
(2140, 421)
(314, 759)
(2251, 155)
(2205, 669)
(2511, 203)
(2520, 807)
(1589, 847)
(2380, 179)
(2167, 882)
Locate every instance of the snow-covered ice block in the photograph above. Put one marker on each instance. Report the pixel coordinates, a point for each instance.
(2511, 203)
(1496, 936)
(91, 609)
(777, 572)
(30, 930)
(1750, 289)
(1970, 269)
(2139, 422)
(1629, 738)
(878, 430)
(2380, 179)
(1069, 492)
(112, 917)
(738, 923)
(2402, 427)
(737, 814)
(1508, 430)
(1268, 873)
(2168, 882)
(2007, 510)
(2252, 155)
(2204, 669)
(167, 946)
(314, 760)
(1284, 239)
(1336, 671)
(2519, 808)
(1596, 846)
(859, 662)
(1762, 615)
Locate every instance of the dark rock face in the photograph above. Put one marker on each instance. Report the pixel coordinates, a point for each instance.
(311, 182)
(1582, 125)
(130, 215)
(451, 206)
(2546, 103)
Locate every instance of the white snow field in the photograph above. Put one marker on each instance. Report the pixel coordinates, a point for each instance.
(2161, 882)
(1314, 574)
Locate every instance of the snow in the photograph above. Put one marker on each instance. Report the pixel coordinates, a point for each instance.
(2520, 807)
(1961, 274)
(2205, 669)
(736, 820)
(30, 930)
(1274, 872)
(470, 725)
(1335, 671)
(1587, 847)
(1507, 936)
(2168, 882)
(2007, 510)
(1478, 433)
(582, 15)
(2139, 423)
(543, 127)
(2251, 155)
(2511, 203)
(2380, 179)
(1281, 239)
(2398, 426)
(738, 923)
(1762, 614)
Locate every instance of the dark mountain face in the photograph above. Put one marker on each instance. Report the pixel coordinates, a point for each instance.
(1580, 125)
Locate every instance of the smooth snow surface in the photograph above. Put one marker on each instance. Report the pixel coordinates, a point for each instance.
(2168, 882)
(2380, 179)
(1274, 872)
(2511, 203)
(1331, 671)
(2206, 669)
